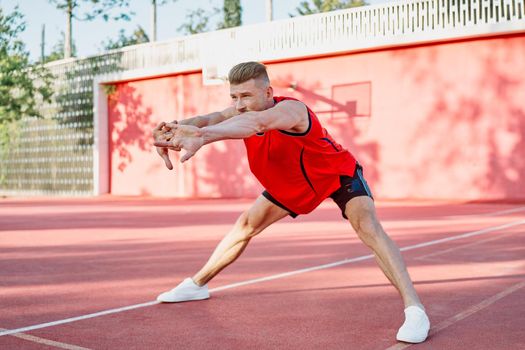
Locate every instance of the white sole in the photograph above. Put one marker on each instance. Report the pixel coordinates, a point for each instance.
(183, 299)
(412, 341)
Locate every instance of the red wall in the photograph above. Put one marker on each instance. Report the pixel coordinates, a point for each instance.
(439, 121)
(136, 107)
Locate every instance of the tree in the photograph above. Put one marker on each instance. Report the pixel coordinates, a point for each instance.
(114, 9)
(232, 11)
(22, 85)
(197, 21)
(153, 28)
(138, 36)
(269, 10)
(305, 7)
(57, 53)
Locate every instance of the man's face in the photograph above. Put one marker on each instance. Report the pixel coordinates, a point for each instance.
(252, 95)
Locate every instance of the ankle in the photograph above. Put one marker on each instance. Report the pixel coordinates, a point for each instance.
(416, 304)
(198, 282)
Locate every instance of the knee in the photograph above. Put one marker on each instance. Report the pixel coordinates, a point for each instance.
(245, 228)
(362, 216)
(368, 229)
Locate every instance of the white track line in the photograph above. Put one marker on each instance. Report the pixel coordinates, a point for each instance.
(48, 342)
(464, 235)
(462, 246)
(503, 212)
(489, 214)
(78, 318)
(269, 278)
(464, 314)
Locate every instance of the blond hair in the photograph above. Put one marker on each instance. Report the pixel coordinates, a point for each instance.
(245, 71)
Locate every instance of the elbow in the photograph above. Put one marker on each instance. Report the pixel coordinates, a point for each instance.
(261, 127)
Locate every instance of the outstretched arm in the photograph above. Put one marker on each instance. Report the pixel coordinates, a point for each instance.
(209, 119)
(159, 133)
(287, 115)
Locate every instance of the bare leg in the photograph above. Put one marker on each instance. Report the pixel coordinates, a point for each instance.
(362, 217)
(262, 214)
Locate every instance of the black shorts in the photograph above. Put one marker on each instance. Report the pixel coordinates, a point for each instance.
(351, 187)
(269, 197)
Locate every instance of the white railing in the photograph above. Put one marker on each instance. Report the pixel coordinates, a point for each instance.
(396, 23)
(399, 22)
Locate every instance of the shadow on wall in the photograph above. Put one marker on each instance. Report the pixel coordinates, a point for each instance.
(474, 131)
(340, 114)
(507, 142)
(131, 124)
(219, 169)
(227, 168)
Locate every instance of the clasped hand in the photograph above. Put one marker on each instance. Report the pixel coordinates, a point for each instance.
(176, 137)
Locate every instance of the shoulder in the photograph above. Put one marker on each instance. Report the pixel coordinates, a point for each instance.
(290, 105)
(287, 115)
(292, 110)
(278, 99)
(290, 102)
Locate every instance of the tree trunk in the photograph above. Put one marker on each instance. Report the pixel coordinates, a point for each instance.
(153, 31)
(68, 40)
(43, 44)
(269, 10)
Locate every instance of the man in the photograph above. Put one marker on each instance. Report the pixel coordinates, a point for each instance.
(299, 165)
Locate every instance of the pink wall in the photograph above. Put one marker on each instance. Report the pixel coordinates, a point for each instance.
(134, 110)
(438, 121)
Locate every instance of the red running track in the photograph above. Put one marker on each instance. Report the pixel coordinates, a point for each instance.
(68, 258)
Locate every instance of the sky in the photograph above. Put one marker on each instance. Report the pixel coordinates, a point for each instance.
(89, 36)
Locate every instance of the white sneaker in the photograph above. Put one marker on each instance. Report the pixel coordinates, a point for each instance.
(416, 326)
(187, 290)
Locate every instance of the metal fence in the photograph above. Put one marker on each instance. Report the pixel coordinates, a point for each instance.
(54, 154)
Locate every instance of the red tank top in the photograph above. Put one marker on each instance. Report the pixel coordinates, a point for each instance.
(299, 170)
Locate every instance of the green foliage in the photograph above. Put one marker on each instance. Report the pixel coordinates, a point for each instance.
(232, 11)
(8, 133)
(197, 21)
(114, 9)
(138, 36)
(107, 9)
(163, 2)
(317, 6)
(109, 89)
(22, 86)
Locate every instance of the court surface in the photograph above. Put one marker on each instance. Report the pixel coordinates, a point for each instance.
(84, 274)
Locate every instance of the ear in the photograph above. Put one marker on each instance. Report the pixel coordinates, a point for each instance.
(269, 92)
